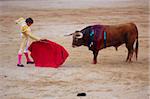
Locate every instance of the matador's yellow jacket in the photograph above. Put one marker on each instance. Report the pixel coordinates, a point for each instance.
(25, 35)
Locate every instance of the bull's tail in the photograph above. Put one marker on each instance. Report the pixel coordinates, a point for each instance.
(136, 48)
(136, 44)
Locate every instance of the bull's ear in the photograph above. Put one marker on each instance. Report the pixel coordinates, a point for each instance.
(69, 34)
(77, 31)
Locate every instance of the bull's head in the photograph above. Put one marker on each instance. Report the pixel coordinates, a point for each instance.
(77, 38)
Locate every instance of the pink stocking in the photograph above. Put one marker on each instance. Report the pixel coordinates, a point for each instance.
(27, 57)
(19, 58)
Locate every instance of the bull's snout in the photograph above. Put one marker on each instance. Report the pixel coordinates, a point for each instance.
(73, 46)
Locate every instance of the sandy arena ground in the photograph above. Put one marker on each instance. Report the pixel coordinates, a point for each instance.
(111, 78)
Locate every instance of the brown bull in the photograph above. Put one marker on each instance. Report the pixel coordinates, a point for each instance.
(97, 37)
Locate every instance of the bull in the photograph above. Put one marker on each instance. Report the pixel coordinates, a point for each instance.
(97, 37)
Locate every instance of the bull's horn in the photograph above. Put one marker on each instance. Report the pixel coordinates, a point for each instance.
(69, 34)
(80, 35)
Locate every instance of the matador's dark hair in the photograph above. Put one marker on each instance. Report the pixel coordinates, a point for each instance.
(29, 20)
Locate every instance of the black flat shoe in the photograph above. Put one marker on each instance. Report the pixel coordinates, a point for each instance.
(20, 65)
(81, 94)
(30, 62)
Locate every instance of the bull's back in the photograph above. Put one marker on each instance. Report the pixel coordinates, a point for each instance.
(118, 34)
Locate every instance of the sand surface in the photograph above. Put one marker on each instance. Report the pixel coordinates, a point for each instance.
(111, 78)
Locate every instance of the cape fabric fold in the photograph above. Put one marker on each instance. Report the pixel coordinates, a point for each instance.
(46, 53)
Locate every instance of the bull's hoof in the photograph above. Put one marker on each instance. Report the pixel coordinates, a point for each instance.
(94, 62)
(129, 61)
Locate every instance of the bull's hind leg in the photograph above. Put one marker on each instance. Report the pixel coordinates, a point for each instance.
(128, 56)
(130, 52)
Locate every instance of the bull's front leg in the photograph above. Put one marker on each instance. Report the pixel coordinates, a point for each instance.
(95, 53)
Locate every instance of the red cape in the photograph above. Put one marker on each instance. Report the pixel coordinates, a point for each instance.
(46, 53)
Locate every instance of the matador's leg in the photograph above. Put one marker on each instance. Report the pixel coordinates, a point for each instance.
(22, 46)
(26, 53)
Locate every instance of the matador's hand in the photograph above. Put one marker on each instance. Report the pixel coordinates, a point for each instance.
(43, 40)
